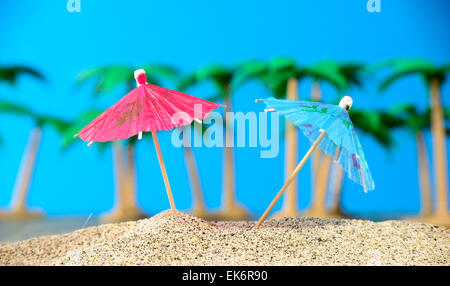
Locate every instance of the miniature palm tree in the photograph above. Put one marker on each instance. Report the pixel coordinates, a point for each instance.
(418, 122)
(25, 175)
(434, 77)
(199, 208)
(225, 81)
(10, 75)
(107, 79)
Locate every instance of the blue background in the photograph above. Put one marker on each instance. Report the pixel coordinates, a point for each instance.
(190, 34)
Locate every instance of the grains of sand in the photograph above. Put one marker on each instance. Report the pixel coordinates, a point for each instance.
(181, 239)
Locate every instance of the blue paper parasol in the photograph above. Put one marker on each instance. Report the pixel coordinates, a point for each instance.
(328, 127)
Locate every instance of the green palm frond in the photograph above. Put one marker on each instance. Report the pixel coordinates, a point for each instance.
(274, 75)
(280, 71)
(10, 74)
(283, 64)
(277, 83)
(219, 75)
(60, 125)
(442, 73)
(412, 118)
(187, 82)
(445, 70)
(248, 71)
(403, 68)
(157, 73)
(327, 71)
(107, 78)
(380, 65)
(353, 73)
(446, 112)
(378, 124)
(15, 109)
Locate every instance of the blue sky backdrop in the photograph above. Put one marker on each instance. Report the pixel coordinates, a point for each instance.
(189, 35)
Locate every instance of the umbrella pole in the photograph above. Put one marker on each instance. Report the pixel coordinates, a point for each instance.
(163, 171)
(362, 174)
(291, 177)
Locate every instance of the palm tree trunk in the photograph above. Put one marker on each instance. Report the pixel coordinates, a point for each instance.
(130, 197)
(232, 210)
(336, 209)
(126, 207)
(439, 149)
(24, 178)
(120, 177)
(199, 208)
(319, 198)
(229, 180)
(290, 205)
(424, 175)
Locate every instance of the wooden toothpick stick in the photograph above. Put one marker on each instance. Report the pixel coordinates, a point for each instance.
(336, 155)
(362, 174)
(163, 171)
(291, 177)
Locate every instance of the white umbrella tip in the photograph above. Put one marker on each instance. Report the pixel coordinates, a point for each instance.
(346, 103)
(138, 72)
(140, 77)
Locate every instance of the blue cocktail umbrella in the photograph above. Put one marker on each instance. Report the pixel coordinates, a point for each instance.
(328, 127)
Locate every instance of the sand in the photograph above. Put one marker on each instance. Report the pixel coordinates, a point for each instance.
(181, 239)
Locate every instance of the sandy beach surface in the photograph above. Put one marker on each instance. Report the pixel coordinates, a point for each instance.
(181, 239)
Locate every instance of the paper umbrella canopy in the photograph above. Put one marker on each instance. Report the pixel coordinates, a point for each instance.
(340, 141)
(328, 127)
(147, 108)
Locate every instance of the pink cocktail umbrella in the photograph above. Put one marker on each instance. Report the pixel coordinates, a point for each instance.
(147, 108)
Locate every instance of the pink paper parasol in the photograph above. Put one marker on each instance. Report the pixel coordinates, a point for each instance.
(147, 108)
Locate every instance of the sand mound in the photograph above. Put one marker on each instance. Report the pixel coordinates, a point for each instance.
(181, 239)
